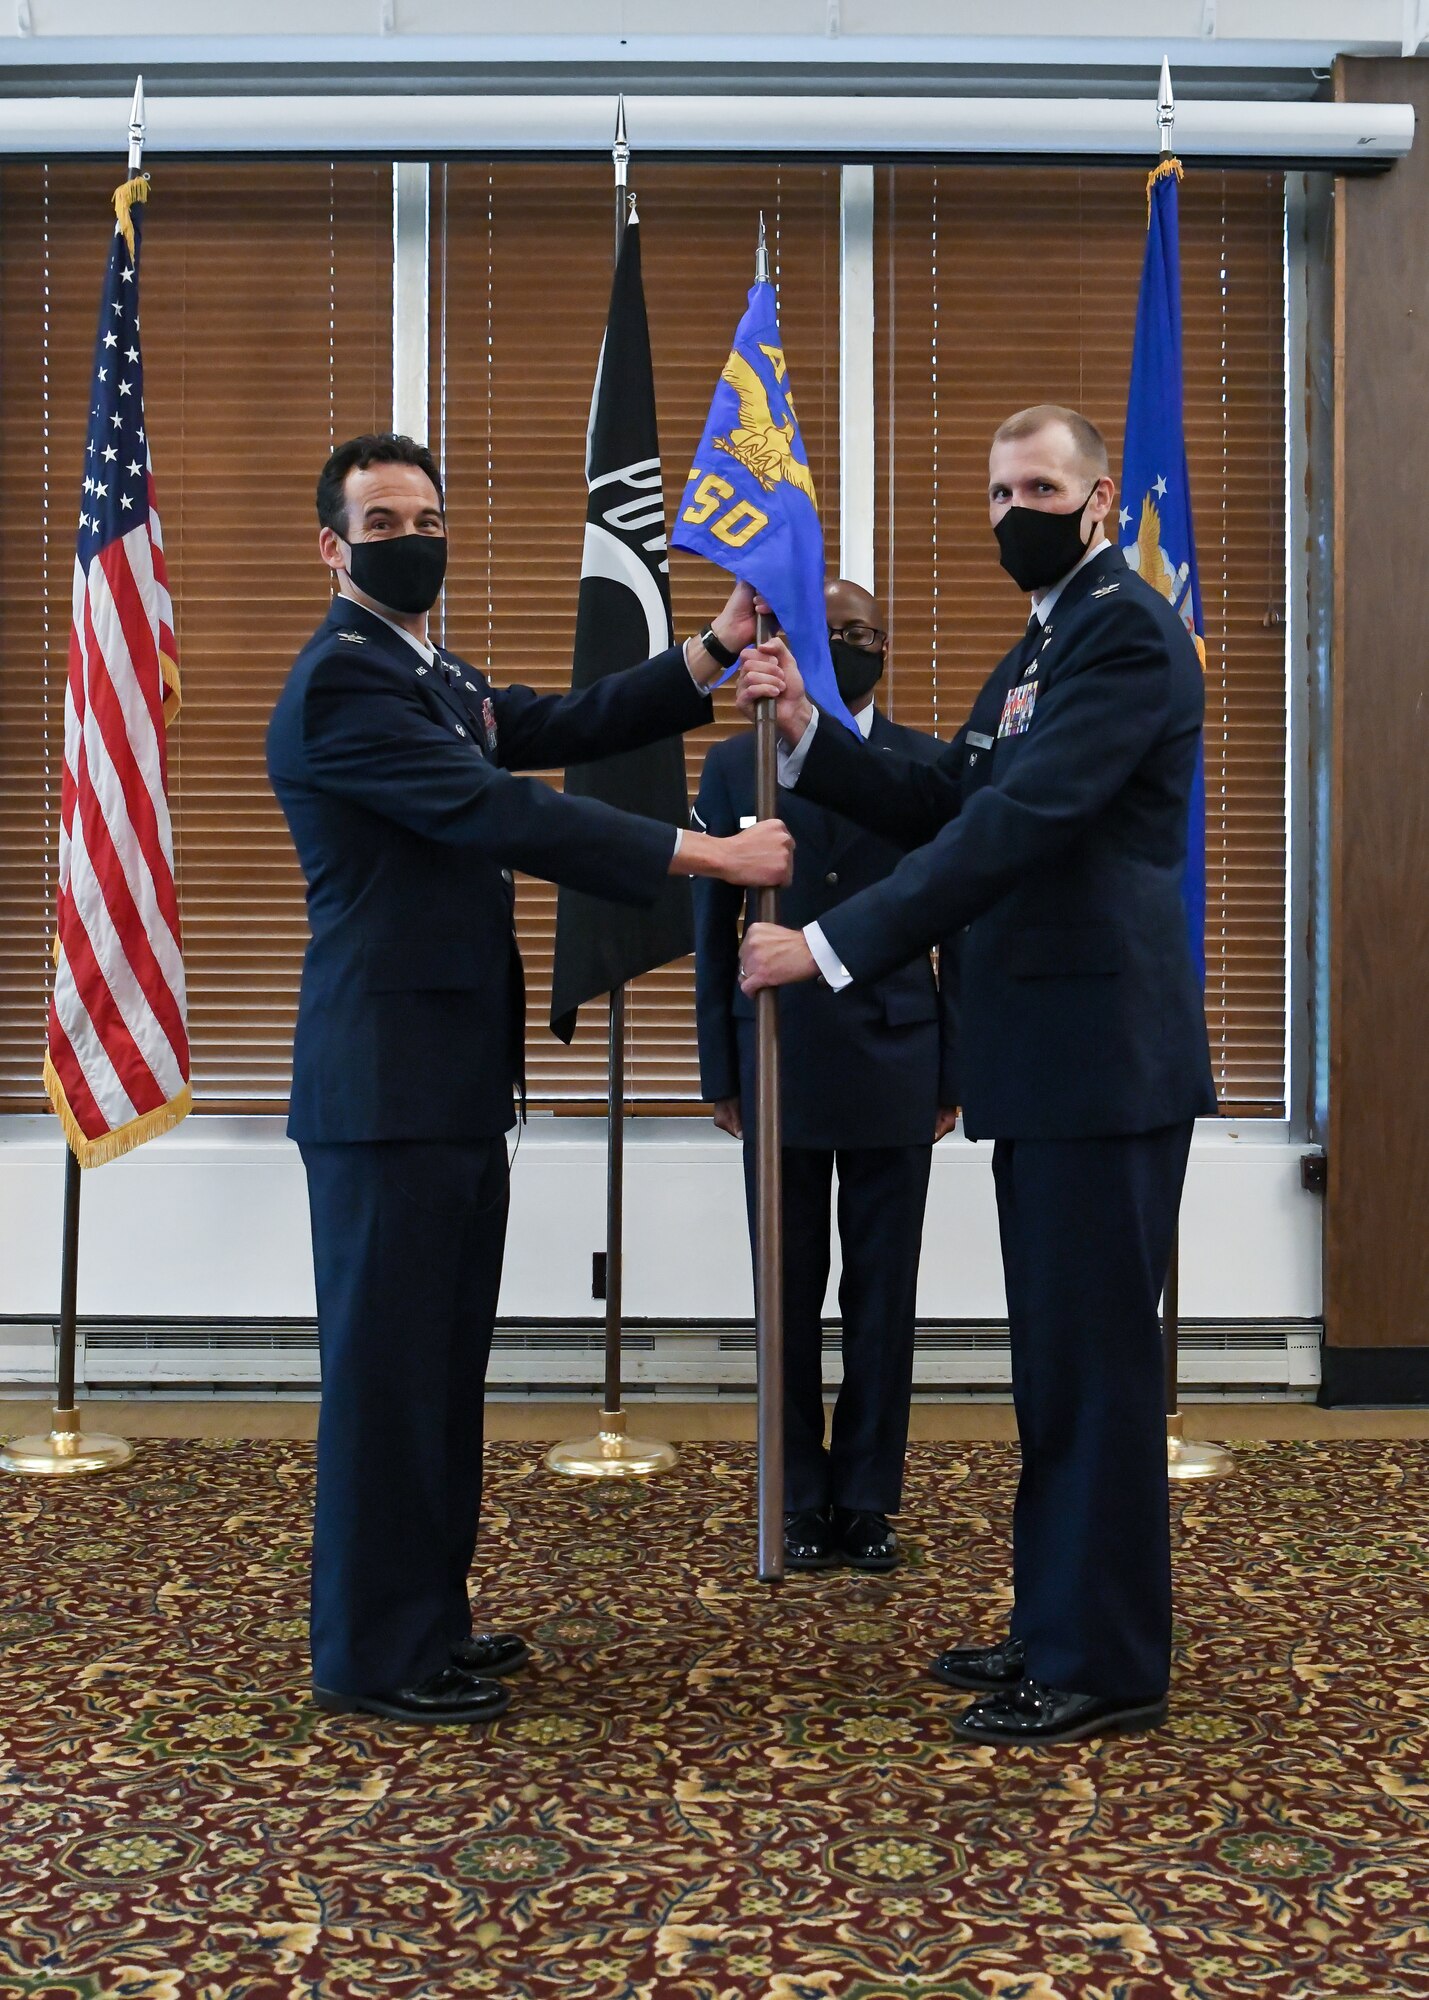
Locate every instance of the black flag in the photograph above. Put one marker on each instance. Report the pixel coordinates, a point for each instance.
(623, 618)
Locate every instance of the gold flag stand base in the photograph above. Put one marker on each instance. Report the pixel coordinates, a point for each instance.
(1188, 1458)
(66, 1451)
(610, 1454)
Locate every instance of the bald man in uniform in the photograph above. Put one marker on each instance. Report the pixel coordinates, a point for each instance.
(867, 1089)
(1053, 829)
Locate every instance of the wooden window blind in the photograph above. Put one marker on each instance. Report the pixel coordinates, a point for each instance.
(520, 283)
(267, 315)
(267, 326)
(998, 288)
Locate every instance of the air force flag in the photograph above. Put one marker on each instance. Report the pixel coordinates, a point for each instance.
(749, 504)
(1155, 520)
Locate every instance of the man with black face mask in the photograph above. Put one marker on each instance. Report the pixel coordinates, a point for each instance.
(867, 1086)
(1054, 829)
(392, 761)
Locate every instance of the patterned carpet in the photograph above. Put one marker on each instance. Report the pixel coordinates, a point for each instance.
(707, 1790)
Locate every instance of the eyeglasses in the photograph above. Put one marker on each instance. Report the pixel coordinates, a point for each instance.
(867, 636)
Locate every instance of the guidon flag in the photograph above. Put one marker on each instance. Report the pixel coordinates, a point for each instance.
(749, 503)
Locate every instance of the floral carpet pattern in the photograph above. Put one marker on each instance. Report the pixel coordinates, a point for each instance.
(707, 1789)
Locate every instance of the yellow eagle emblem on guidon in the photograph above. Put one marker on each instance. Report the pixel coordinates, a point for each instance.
(763, 447)
(1154, 566)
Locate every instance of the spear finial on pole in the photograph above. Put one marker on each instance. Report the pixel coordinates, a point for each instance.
(136, 129)
(1165, 109)
(620, 154)
(761, 255)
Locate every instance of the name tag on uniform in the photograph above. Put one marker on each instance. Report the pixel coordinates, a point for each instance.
(1017, 710)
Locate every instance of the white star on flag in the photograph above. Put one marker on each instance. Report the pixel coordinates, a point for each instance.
(1160, 489)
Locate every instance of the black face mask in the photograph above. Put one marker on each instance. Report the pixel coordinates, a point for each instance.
(404, 572)
(1039, 548)
(856, 670)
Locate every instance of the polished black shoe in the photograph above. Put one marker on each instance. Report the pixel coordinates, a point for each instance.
(981, 1668)
(808, 1539)
(447, 1696)
(491, 1653)
(864, 1539)
(1032, 1713)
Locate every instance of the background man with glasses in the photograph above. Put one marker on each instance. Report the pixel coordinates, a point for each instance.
(868, 1088)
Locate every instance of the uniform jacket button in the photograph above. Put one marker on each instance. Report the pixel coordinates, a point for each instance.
(832, 878)
(507, 877)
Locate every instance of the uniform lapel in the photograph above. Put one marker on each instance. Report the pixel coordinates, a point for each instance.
(1104, 572)
(345, 616)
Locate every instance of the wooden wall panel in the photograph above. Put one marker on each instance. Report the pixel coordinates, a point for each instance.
(1377, 1225)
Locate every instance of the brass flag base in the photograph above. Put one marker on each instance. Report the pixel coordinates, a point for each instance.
(610, 1454)
(1187, 1458)
(67, 1450)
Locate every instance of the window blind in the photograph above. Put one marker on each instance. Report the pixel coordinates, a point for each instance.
(267, 330)
(520, 283)
(267, 315)
(997, 288)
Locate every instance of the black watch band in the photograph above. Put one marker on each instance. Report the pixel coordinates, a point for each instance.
(716, 648)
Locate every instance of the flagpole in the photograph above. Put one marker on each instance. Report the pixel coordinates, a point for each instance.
(611, 1453)
(612, 1415)
(1185, 1458)
(67, 1449)
(768, 1151)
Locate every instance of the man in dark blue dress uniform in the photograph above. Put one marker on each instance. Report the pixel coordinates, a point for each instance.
(392, 761)
(867, 1085)
(1053, 829)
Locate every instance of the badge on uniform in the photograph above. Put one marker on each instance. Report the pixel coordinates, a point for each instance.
(1017, 709)
(488, 721)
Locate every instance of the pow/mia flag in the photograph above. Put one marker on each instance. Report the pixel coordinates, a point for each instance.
(623, 618)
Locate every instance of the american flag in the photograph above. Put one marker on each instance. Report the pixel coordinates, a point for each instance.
(117, 1063)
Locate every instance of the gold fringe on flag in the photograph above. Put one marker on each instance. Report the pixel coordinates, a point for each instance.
(110, 1145)
(173, 696)
(1170, 165)
(124, 200)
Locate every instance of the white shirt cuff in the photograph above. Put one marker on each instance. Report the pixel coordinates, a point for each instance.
(831, 967)
(679, 842)
(791, 762)
(704, 687)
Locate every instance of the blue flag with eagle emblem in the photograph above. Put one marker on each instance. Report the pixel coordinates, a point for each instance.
(1157, 537)
(749, 503)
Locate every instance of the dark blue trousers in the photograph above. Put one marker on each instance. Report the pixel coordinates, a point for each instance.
(408, 1239)
(883, 1191)
(1087, 1227)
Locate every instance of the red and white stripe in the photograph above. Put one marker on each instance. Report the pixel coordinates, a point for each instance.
(117, 1067)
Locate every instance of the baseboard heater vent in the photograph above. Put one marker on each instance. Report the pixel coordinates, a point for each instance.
(688, 1359)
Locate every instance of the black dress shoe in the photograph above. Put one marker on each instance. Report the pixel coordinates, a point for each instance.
(1032, 1713)
(865, 1540)
(808, 1539)
(447, 1696)
(490, 1653)
(981, 1668)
